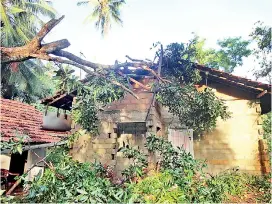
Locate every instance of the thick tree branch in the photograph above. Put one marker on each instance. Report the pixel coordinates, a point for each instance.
(70, 56)
(54, 46)
(53, 52)
(60, 60)
(47, 28)
(34, 47)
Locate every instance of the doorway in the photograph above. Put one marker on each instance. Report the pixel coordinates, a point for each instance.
(17, 165)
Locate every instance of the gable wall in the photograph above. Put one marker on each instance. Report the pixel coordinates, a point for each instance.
(234, 142)
(104, 149)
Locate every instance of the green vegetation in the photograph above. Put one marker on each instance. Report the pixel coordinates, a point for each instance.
(104, 13)
(72, 181)
(15, 145)
(179, 179)
(92, 96)
(20, 22)
(197, 110)
(227, 57)
(262, 34)
(267, 123)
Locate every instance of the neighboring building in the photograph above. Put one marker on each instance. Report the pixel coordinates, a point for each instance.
(18, 119)
(235, 142)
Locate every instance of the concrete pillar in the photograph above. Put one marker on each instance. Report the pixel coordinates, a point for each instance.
(32, 159)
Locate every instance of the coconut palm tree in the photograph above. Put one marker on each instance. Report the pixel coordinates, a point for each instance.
(104, 12)
(20, 21)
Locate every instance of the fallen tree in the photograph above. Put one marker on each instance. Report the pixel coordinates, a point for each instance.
(175, 65)
(53, 51)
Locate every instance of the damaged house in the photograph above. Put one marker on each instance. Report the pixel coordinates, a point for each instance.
(234, 143)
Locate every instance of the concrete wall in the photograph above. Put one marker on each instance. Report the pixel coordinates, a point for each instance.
(32, 159)
(5, 161)
(106, 146)
(234, 142)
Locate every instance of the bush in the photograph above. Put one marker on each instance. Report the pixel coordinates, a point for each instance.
(157, 188)
(180, 179)
(71, 181)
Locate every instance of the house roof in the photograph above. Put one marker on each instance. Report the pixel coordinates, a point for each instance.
(258, 90)
(60, 100)
(18, 118)
(239, 82)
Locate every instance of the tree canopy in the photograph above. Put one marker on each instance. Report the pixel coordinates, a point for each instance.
(227, 57)
(262, 34)
(20, 22)
(104, 13)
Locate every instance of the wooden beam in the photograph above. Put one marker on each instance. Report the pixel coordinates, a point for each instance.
(56, 99)
(157, 82)
(261, 94)
(136, 82)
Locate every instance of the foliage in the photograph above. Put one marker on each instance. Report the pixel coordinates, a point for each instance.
(263, 53)
(15, 144)
(227, 183)
(178, 65)
(5, 199)
(231, 53)
(66, 81)
(261, 184)
(20, 21)
(91, 97)
(227, 57)
(197, 110)
(79, 182)
(181, 172)
(157, 188)
(267, 130)
(181, 165)
(180, 180)
(85, 113)
(139, 163)
(171, 158)
(27, 81)
(104, 12)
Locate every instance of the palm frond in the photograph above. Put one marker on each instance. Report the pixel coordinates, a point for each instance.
(41, 7)
(104, 12)
(81, 3)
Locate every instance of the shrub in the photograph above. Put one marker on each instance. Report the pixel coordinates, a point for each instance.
(71, 181)
(157, 188)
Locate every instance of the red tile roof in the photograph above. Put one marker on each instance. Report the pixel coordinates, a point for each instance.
(18, 118)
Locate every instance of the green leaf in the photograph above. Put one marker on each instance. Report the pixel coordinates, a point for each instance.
(81, 191)
(20, 149)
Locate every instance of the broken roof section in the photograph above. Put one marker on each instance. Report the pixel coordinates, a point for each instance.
(18, 118)
(257, 90)
(60, 100)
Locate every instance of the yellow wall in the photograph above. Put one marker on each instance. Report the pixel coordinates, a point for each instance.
(233, 142)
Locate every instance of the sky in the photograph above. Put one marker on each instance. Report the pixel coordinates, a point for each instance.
(149, 21)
